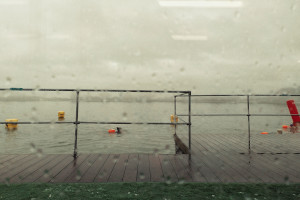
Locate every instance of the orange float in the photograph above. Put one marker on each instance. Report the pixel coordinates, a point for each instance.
(264, 133)
(285, 126)
(111, 131)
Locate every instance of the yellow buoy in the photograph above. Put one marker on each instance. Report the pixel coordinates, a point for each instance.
(11, 126)
(61, 114)
(174, 118)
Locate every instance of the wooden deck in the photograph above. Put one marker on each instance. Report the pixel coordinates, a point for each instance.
(214, 159)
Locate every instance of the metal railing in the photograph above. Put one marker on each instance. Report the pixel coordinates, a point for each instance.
(248, 115)
(77, 122)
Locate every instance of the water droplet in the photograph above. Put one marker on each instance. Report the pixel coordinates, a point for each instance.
(168, 180)
(78, 175)
(142, 176)
(102, 174)
(165, 161)
(116, 158)
(89, 163)
(39, 153)
(286, 179)
(237, 14)
(46, 173)
(8, 80)
(7, 181)
(32, 148)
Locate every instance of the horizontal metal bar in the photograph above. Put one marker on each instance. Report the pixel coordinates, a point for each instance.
(83, 122)
(274, 115)
(181, 95)
(243, 95)
(239, 115)
(138, 91)
(214, 115)
(62, 122)
(32, 89)
(181, 119)
(91, 90)
(137, 123)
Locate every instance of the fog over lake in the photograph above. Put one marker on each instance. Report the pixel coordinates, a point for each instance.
(141, 44)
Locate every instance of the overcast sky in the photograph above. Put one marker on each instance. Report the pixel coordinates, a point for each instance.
(140, 44)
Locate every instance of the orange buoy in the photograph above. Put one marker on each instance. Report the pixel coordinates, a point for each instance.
(264, 133)
(111, 131)
(285, 126)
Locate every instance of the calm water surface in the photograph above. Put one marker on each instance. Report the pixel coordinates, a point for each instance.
(59, 138)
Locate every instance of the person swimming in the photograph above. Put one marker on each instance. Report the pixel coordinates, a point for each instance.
(119, 130)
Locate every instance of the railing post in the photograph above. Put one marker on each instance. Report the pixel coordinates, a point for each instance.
(175, 129)
(190, 123)
(174, 105)
(249, 132)
(76, 125)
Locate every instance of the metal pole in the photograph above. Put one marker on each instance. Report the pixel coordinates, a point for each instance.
(174, 105)
(190, 146)
(249, 136)
(76, 123)
(175, 114)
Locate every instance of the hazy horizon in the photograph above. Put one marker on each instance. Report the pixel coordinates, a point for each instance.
(140, 44)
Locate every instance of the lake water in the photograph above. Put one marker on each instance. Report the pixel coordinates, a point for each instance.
(59, 138)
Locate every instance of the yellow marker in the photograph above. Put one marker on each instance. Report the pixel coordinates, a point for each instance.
(11, 126)
(174, 117)
(61, 114)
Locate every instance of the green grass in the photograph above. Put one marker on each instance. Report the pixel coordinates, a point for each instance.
(149, 191)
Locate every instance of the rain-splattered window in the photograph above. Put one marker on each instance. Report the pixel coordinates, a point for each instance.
(167, 91)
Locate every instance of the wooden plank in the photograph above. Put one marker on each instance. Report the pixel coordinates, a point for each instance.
(108, 167)
(5, 158)
(244, 162)
(44, 170)
(182, 171)
(266, 170)
(232, 160)
(71, 168)
(18, 167)
(191, 168)
(278, 174)
(131, 170)
(143, 174)
(56, 169)
(169, 173)
(17, 178)
(230, 170)
(119, 169)
(92, 172)
(8, 162)
(79, 170)
(155, 169)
